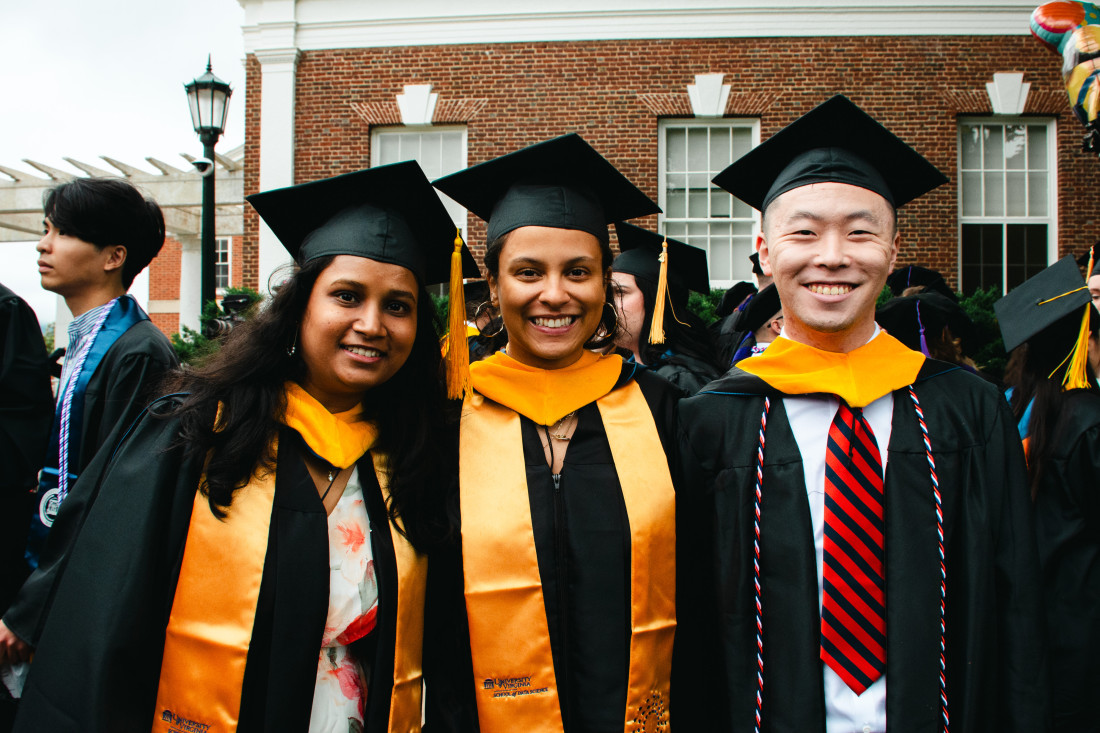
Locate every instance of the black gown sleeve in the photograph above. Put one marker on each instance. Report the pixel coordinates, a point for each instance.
(124, 383)
(1023, 673)
(26, 413)
(97, 661)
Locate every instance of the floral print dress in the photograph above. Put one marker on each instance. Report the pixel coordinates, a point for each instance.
(340, 695)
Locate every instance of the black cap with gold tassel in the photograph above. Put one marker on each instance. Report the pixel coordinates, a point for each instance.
(1039, 302)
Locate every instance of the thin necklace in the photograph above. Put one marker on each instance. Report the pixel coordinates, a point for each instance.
(557, 431)
(333, 472)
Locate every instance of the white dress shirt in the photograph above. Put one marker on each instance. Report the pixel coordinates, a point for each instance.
(810, 417)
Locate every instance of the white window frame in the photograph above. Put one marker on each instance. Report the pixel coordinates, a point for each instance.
(1050, 220)
(458, 213)
(228, 262)
(663, 125)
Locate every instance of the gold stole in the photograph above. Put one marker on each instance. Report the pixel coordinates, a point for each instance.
(214, 610)
(514, 680)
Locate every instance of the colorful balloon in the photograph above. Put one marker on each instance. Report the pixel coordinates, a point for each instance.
(1072, 29)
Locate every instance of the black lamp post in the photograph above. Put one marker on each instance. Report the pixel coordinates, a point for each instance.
(208, 97)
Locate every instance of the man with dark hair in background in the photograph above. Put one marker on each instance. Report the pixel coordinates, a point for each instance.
(99, 233)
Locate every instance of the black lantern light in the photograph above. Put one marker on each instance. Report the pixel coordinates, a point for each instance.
(208, 98)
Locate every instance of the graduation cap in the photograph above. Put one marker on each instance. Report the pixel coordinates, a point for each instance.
(760, 309)
(561, 183)
(756, 268)
(673, 266)
(734, 297)
(1041, 301)
(641, 257)
(389, 214)
(912, 276)
(834, 142)
(911, 318)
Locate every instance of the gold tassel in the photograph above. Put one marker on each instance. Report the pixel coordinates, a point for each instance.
(458, 353)
(1077, 376)
(657, 325)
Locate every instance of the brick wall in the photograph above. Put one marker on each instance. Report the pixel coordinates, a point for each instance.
(250, 249)
(917, 86)
(164, 284)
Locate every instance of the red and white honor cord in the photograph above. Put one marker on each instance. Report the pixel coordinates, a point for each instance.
(756, 559)
(943, 562)
(756, 563)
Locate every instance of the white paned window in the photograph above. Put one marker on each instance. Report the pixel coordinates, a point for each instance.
(440, 151)
(221, 264)
(690, 154)
(1007, 201)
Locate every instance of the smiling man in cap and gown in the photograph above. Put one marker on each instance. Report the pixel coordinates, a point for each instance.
(860, 519)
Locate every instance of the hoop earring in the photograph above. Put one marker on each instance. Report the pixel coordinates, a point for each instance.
(482, 306)
(614, 315)
(496, 333)
(293, 348)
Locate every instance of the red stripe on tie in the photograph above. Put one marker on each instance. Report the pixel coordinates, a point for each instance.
(850, 503)
(860, 518)
(858, 603)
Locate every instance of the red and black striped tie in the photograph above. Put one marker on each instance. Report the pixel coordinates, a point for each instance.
(853, 607)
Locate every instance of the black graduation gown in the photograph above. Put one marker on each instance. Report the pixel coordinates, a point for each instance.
(685, 373)
(995, 656)
(122, 385)
(26, 414)
(98, 659)
(1067, 511)
(582, 541)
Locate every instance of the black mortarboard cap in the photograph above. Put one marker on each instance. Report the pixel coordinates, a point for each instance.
(734, 297)
(388, 213)
(1041, 300)
(916, 276)
(760, 309)
(834, 142)
(756, 268)
(641, 250)
(561, 183)
(924, 315)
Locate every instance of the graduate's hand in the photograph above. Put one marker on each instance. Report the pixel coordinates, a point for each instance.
(12, 648)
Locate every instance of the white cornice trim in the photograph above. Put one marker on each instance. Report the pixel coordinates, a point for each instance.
(829, 20)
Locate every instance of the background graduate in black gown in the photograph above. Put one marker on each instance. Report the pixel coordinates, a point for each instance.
(684, 355)
(1046, 322)
(829, 185)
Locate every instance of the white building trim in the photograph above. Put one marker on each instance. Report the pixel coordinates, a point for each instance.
(278, 68)
(326, 24)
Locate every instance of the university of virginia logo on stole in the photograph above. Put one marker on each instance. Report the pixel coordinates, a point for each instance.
(652, 716)
(179, 724)
(511, 687)
(48, 506)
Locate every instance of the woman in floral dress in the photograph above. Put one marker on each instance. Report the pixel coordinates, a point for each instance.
(196, 597)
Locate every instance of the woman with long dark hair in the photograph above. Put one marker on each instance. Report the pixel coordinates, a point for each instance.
(1046, 323)
(254, 558)
(680, 349)
(558, 610)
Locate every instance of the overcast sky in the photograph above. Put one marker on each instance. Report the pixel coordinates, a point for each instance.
(85, 78)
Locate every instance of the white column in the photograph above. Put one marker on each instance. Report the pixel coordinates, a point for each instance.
(190, 274)
(62, 318)
(277, 69)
